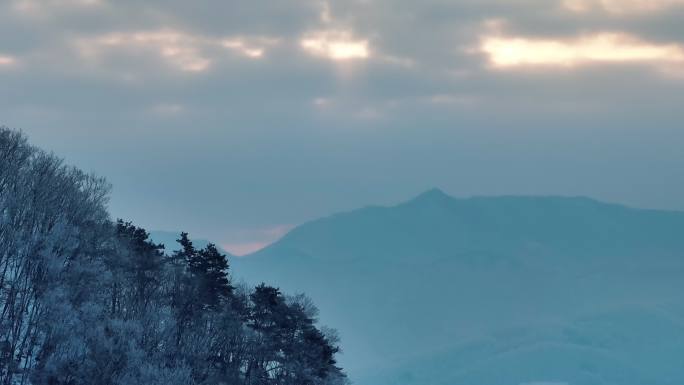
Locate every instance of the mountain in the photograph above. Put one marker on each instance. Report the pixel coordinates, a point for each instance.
(493, 290)
(168, 239)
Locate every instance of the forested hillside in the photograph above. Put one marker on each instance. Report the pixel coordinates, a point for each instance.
(85, 300)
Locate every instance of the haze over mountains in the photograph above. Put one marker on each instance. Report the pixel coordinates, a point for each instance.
(169, 240)
(495, 290)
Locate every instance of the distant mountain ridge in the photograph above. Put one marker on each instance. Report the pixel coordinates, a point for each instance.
(435, 220)
(492, 290)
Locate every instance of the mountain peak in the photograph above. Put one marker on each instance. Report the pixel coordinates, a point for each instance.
(433, 195)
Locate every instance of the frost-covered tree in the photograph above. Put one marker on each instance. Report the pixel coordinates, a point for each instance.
(140, 262)
(50, 216)
(84, 300)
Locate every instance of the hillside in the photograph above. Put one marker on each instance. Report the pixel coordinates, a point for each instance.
(89, 301)
(488, 290)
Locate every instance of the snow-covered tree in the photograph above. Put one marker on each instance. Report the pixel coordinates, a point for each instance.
(85, 300)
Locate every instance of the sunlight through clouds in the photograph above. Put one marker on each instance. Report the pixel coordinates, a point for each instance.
(334, 41)
(183, 51)
(253, 48)
(335, 45)
(178, 49)
(511, 52)
(240, 46)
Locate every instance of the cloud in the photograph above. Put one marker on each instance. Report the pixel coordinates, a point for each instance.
(251, 50)
(337, 45)
(181, 50)
(621, 6)
(52, 10)
(7, 61)
(508, 52)
(165, 110)
(257, 101)
(38, 7)
(452, 99)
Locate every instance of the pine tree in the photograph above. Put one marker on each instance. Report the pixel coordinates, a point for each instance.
(178, 263)
(180, 291)
(188, 249)
(210, 269)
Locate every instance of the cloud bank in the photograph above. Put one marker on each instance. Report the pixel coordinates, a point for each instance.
(287, 110)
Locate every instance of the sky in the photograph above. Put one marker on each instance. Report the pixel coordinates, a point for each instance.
(236, 121)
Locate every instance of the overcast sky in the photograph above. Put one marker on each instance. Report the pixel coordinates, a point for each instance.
(236, 120)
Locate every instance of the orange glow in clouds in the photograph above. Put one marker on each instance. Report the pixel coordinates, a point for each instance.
(6, 60)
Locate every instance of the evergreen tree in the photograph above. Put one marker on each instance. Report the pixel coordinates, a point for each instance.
(210, 269)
